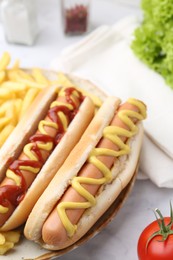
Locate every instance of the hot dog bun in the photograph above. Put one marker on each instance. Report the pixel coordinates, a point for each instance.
(122, 172)
(15, 143)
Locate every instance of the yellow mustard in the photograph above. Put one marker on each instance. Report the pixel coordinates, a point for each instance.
(112, 133)
(27, 151)
(11, 175)
(3, 209)
(44, 123)
(58, 103)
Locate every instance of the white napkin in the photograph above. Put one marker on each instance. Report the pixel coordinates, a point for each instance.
(105, 58)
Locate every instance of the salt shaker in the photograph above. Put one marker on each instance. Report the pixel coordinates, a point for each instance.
(75, 16)
(19, 21)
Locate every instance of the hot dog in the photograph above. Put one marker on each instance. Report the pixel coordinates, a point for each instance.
(37, 148)
(91, 178)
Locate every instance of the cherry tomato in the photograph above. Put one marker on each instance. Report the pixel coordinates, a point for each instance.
(156, 240)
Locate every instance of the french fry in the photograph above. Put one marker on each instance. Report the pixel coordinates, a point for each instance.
(14, 86)
(1, 112)
(39, 77)
(31, 84)
(28, 99)
(4, 61)
(2, 239)
(2, 76)
(16, 64)
(4, 121)
(11, 236)
(7, 240)
(6, 247)
(23, 75)
(18, 107)
(6, 94)
(4, 134)
(10, 113)
(12, 75)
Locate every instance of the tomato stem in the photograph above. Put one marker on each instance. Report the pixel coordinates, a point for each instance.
(164, 230)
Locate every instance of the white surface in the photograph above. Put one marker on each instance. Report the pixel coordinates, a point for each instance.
(118, 241)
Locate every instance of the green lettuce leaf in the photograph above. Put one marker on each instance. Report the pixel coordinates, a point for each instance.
(153, 39)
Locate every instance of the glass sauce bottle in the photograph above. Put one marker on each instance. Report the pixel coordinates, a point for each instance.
(75, 15)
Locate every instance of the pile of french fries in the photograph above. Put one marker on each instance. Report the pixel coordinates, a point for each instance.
(18, 89)
(8, 240)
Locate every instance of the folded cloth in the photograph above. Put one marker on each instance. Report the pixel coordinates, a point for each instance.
(105, 57)
(156, 164)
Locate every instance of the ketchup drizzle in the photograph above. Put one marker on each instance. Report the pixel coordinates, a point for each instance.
(40, 138)
(9, 193)
(13, 194)
(68, 93)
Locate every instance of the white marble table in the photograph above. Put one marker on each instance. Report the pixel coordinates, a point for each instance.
(118, 241)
